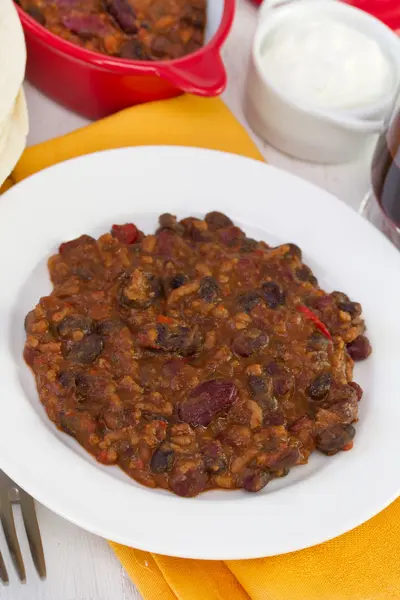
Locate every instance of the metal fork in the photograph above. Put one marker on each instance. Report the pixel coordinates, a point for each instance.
(11, 493)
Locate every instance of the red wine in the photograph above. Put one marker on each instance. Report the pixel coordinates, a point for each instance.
(386, 172)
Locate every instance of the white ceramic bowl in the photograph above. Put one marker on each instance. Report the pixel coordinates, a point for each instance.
(305, 131)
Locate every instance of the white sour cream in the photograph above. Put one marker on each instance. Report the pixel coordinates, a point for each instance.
(326, 63)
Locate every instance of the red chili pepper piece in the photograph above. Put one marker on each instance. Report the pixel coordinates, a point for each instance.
(313, 317)
(164, 320)
(126, 234)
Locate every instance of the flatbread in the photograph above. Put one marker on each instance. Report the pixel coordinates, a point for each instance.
(13, 140)
(12, 57)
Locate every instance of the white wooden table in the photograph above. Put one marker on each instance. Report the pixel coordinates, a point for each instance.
(80, 565)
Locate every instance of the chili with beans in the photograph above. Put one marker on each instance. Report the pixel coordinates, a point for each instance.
(133, 29)
(189, 357)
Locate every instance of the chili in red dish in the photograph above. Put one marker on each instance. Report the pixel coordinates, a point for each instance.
(195, 358)
(133, 29)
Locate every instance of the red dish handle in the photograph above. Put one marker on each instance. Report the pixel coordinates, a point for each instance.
(203, 75)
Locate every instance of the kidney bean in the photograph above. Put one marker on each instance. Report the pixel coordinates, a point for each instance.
(357, 388)
(206, 401)
(123, 13)
(273, 295)
(335, 438)
(248, 342)
(231, 235)
(209, 289)
(285, 460)
(85, 26)
(320, 387)
(214, 457)
(74, 323)
(128, 233)
(66, 249)
(360, 348)
(188, 481)
(255, 481)
(162, 460)
(86, 351)
(249, 300)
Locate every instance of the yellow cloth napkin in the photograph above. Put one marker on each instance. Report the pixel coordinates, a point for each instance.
(363, 564)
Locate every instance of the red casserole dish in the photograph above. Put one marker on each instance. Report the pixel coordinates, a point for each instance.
(96, 85)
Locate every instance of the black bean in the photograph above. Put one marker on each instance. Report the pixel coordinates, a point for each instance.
(217, 220)
(178, 280)
(179, 339)
(36, 13)
(248, 301)
(109, 327)
(123, 13)
(320, 387)
(283, 386)
(248, 342)
(72, 323)
(248, 245)
(140, 290)
(304, 273)
(353, 308)
(317, 342)
(273, 295)
(86, 351)
(360, 348)
(206, 401)
(293, 252)
(257, 385)
(335, 438)
(134, 50)
(169, 222)
(254, 482)
(209, 289)
(29, 320)
(67, 379)
(162, 460)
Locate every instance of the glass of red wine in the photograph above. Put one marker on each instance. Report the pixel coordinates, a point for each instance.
(383, 203)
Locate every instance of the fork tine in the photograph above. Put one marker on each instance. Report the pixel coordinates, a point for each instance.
(3, 571)
(7, 521)
(32, 531)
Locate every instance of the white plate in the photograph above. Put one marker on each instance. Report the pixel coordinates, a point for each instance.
(315, 502)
